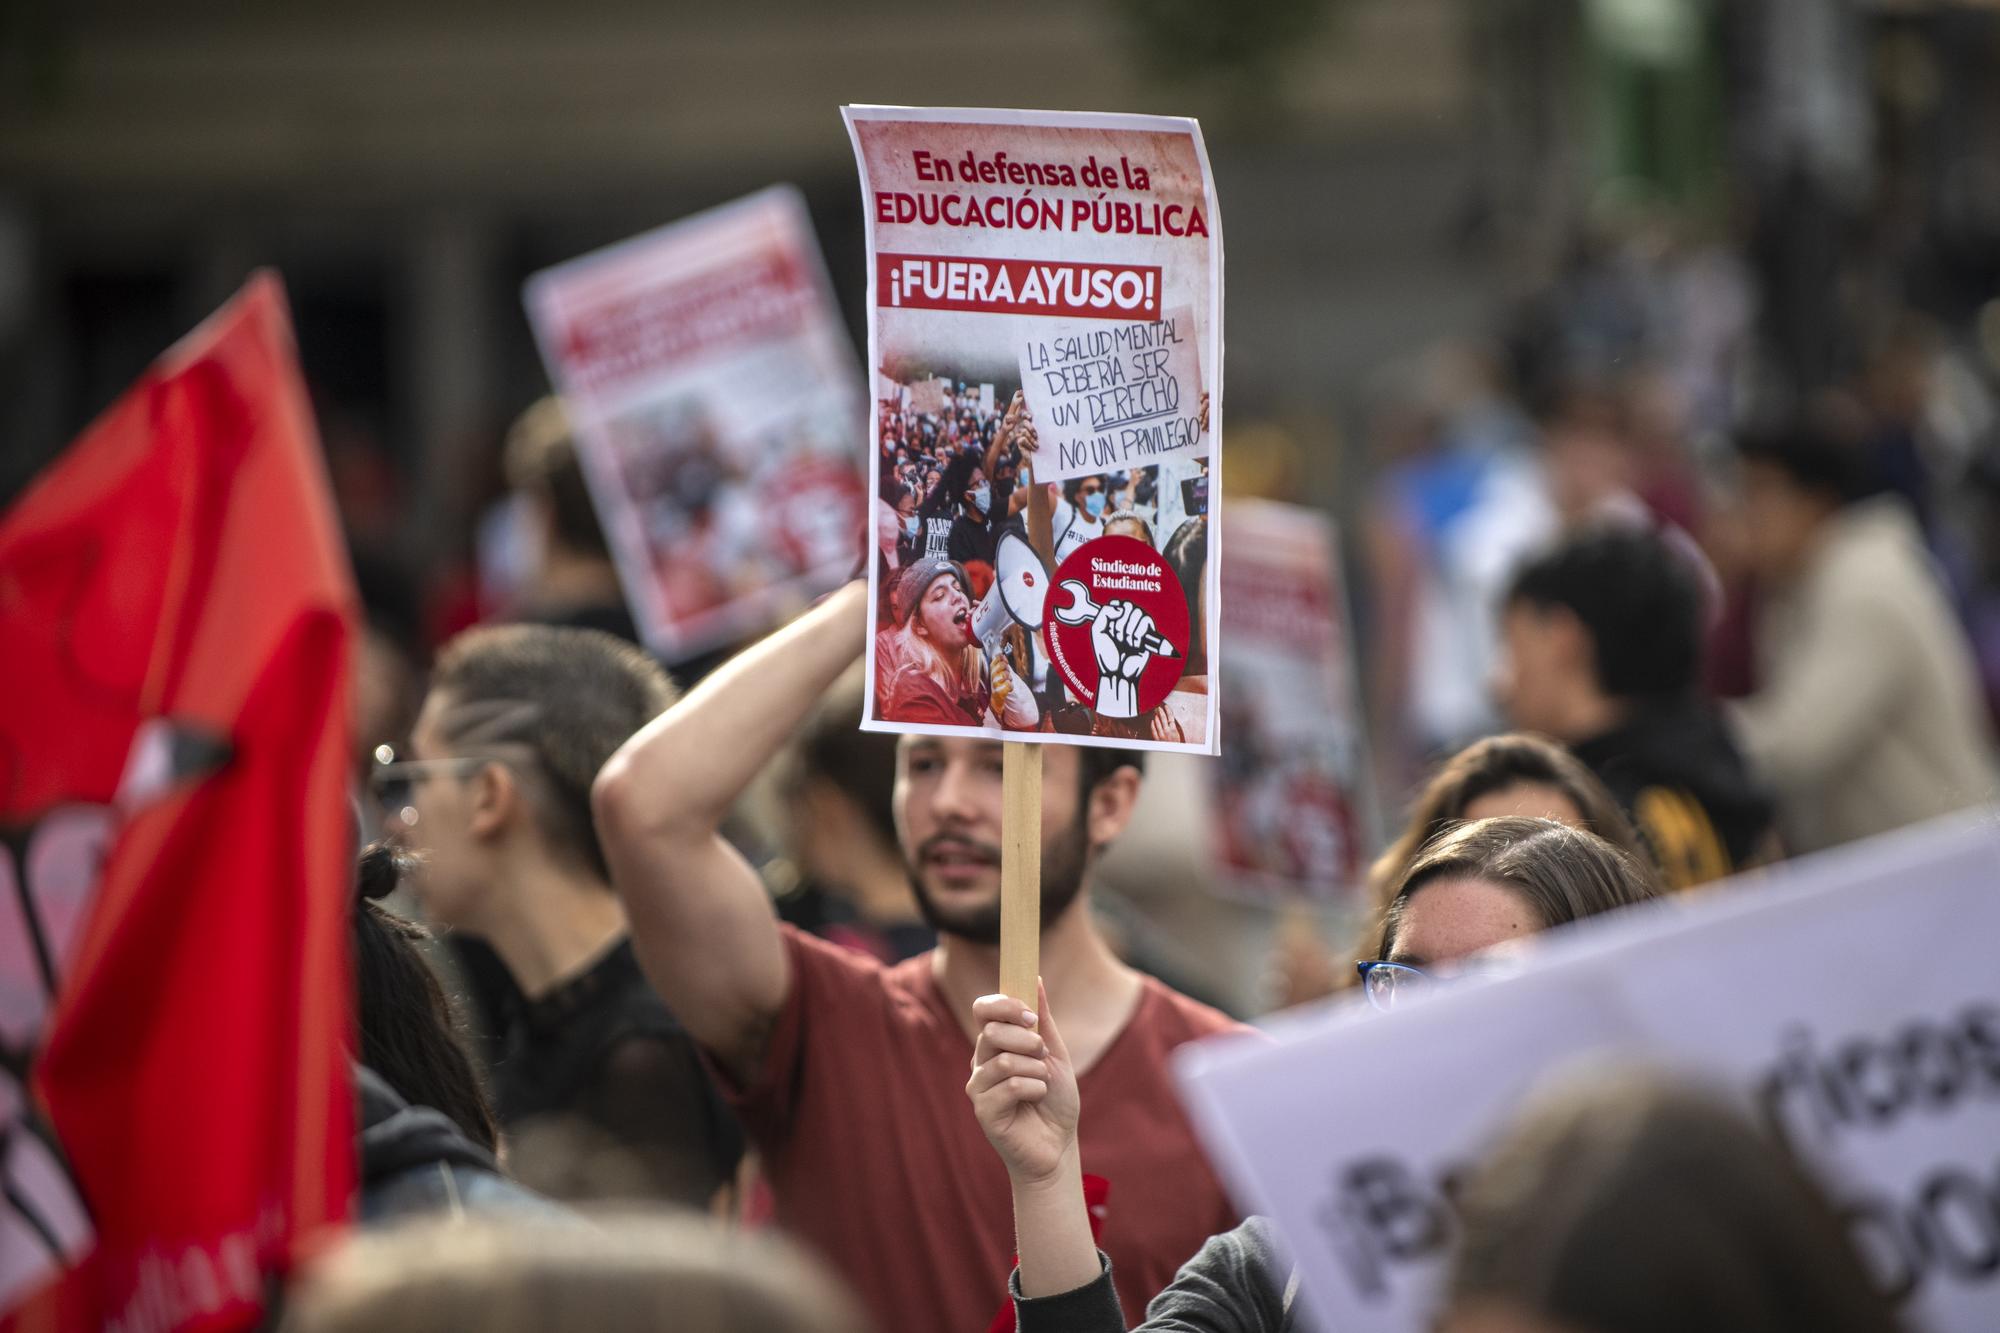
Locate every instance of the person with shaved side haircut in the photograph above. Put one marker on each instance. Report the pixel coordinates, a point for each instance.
(495, 799)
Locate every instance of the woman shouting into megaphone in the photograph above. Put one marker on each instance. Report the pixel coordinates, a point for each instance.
(929, 664)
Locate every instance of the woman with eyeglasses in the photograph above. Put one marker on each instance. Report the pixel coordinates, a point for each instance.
(1470, 895)
(1480, 886)
(1512, 774)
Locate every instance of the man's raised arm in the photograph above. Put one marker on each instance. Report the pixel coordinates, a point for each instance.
(702, 923)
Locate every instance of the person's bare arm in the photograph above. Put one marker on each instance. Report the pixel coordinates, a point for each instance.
(1003, 435)
(702, 923)
(1042, 523)
(1023, 1090)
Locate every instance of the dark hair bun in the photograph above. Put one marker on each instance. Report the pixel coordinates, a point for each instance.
(380, 870)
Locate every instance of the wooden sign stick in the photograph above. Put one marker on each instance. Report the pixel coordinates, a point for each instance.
(1021, 811)
(1020, 870)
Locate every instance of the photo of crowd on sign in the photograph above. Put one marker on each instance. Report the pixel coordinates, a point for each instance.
(969, 612)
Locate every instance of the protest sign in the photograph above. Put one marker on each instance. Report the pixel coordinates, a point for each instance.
(1291, 791)
(1045, 292)
(176, 852)
(716, 405)
(1849, 1001)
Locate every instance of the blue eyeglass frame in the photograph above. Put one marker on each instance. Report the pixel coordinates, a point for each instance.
(1365, 969)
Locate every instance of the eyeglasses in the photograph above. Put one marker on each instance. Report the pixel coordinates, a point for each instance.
(394, 781)
(1388, 984)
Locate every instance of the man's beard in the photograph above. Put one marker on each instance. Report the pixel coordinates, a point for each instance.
(1062, 879)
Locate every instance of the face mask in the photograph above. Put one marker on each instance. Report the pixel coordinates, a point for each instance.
(910, 525)
(982, 496)
(1093, 504)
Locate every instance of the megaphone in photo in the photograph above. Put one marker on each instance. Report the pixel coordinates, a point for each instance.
(1018, 595)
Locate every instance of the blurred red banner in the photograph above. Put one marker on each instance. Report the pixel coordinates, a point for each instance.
(176, 1118)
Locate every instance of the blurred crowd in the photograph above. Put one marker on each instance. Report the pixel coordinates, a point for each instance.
(649, 1031)
(1635, 617)
(676, 990)
(1622, 457)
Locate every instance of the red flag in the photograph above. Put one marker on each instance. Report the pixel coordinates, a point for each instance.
(174, 985)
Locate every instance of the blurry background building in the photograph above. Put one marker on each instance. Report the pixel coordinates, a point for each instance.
(407, 165)
(1584, 237)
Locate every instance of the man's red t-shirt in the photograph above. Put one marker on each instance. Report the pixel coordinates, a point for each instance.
(877, 1161)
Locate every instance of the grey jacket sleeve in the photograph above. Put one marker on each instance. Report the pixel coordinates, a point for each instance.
(1237, 1283)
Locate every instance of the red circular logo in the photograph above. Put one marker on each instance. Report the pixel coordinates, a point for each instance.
(1118, 626)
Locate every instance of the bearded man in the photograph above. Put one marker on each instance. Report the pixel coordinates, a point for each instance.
(848, 1073)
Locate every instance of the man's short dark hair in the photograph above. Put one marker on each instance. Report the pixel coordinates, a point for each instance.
(572, 696)
(541, 460)
(833, 748)
(1637, 598)
(1817, 457)
(1095, 763)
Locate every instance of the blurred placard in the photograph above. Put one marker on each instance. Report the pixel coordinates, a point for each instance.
(1849, 1001)
(1291, 788)
(718, 410)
